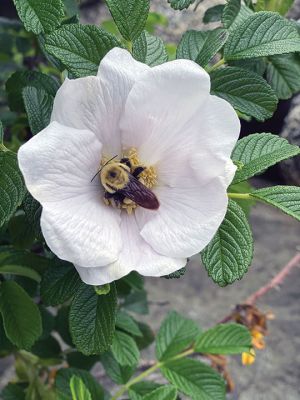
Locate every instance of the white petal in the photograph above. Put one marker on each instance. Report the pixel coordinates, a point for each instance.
(58, 164)
(187, 219)
(97, 102)
(136, 255)
(82, 230)
(160, 106)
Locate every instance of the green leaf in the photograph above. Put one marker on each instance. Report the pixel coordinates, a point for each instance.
(62, 325)
(195, 379)
(128, 324)
(166, 392)
(228, 256)
(33, 211)
(243, 187)
(281, 6)
(21, 233)
(21, 79)
(47, 349)
(59, 283)
(137, 302)
(245, 90)
(245, 12)
(62, 383)
(80, 47)
(118, 373)
(201, 46)
(21, 316)
(175, 334)
(92, 319)
(78, 360)
(1, 133)
(231, 11)
(147, 338)
(20, 271)
(257, 65)
(13, 392)
(130, 16)
(134, 280)
(177, 274)
(38, 105)
(180, 4)
(149, 49)
(40, 15)
(224, 339)
(259, 151)
(79, 390)
(141, 389)
(12, 189)
(286, 198)
(125, 350)
(262, 34)
(213, 14)
(283, 74)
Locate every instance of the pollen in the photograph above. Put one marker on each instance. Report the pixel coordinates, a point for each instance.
(136, 168)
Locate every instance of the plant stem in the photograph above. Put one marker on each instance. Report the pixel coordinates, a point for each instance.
(242, 196)
(217, 65)
(149, 371)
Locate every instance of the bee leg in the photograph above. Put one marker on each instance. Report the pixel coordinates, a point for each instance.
(138, 171)
(126, 161)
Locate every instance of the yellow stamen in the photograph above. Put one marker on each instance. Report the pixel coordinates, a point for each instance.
(248, 358)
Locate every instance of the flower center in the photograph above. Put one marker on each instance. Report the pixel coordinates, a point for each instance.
(127, 182)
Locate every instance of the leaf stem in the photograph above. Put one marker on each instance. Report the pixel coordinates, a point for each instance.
(217, 65)
(149, 371)
(242, 196)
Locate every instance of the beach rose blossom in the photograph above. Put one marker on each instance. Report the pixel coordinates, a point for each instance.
(165, 122)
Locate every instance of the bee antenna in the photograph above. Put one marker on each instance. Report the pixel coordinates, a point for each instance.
(103, 167)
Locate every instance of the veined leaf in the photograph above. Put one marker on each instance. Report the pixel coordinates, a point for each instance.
(224, 339)
(128, 324)
(125, 349)
(141, 389)
(79, 390)
(259, 151)
(33, 210)
(228, 256)
(283, 74)
(59, 283)
(40, 15)
(38, 105)
(166, 392)
(149, 49)
(262, 34)
(180, 4)
(245, 90)
(21, 79)
(195, 379)
(80, 47)
(175, 334)
(92, 319)
(12, 188)
(201, 46)
(245, 12)
(21, 316)
(62, 383)
(117, 372)
(231, 11)
(130, 16)
(286, 198)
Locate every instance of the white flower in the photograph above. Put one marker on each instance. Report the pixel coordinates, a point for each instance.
(168, 117)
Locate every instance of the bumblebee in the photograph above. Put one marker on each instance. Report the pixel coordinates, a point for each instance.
(122, 185)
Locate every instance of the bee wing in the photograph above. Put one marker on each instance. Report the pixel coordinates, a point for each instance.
(140, 194)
